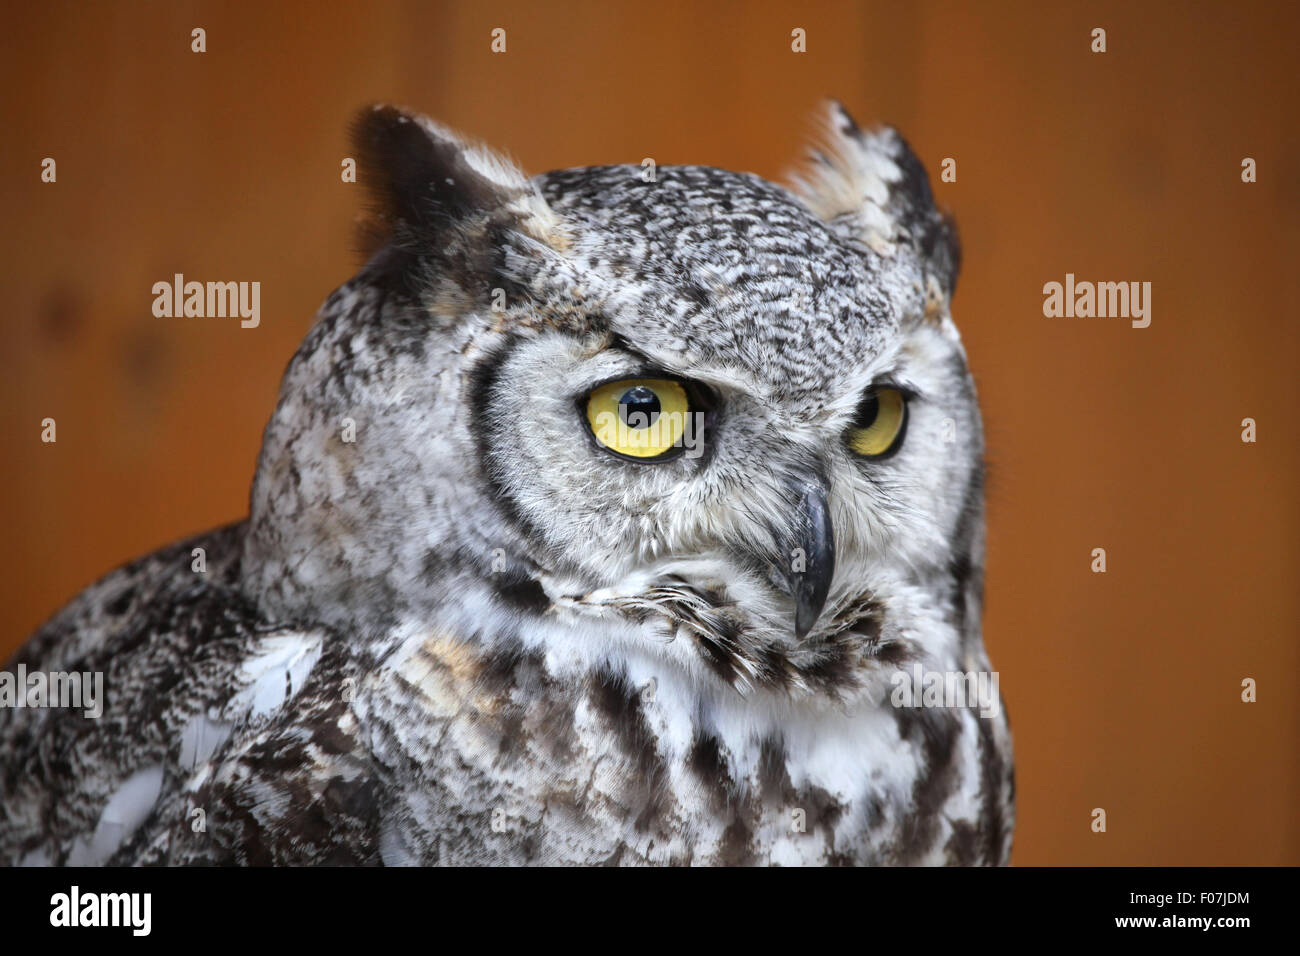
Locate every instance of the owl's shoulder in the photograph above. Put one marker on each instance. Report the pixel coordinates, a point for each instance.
(178, 678)
(141, 596)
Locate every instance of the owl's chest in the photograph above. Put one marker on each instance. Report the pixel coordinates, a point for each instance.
(517, 766)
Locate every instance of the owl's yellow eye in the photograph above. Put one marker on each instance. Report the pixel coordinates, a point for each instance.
(639, 417)
(881, 420)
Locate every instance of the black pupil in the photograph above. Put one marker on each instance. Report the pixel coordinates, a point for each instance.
(639, 407)
(868, 411)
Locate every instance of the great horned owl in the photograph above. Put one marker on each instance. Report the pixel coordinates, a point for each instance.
(602, 517)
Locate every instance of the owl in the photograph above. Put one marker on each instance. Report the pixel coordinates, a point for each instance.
(621, 515)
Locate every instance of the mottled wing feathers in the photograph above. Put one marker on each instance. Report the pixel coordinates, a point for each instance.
(191, 673)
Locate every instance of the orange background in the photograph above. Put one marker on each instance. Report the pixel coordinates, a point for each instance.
(1123, 688)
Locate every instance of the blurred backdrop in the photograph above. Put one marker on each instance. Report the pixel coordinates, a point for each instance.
(1124, 688)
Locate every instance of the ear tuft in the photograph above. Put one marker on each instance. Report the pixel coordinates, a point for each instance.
(425, 180)
(870, 185)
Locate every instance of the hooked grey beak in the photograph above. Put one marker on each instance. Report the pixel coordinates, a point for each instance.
(814, 540)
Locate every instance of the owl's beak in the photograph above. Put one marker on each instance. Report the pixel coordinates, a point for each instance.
(810, 578)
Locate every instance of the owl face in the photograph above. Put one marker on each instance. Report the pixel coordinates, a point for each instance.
(696, 401)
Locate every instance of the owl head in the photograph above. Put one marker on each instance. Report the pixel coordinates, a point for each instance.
(676, 412)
